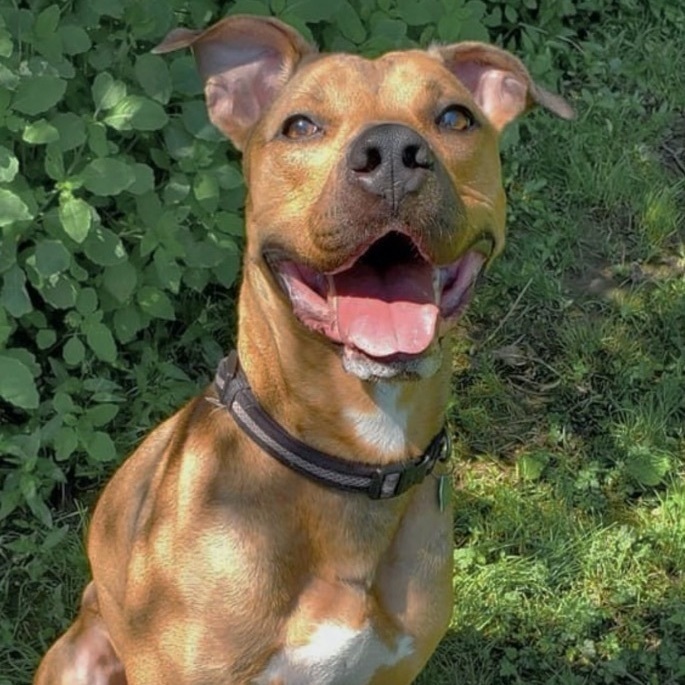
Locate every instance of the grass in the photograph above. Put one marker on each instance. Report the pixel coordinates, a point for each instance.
(568, 405)
(569, 401)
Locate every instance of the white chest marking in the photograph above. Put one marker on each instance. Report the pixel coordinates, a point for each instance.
(335, 655)
(385, 428)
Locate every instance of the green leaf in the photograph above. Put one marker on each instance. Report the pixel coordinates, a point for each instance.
(46, 338)
(107, 176)
(63, 403)
(9, 165)
(97, 139)
(120, 280)
(73, 352)
(75, 40)
(176, 190)
(86, 301)
(531, 466)
(168, 270)
(229, 176)
(100, 447)
(232, 224)
(227, 271)
(138, 113)
(40, 133)
(203, 255)
(178, 142)
(16, 383)
(76, 217)
(51, 258)
(13, 295)
(196, 279)
(144, 179)
(104, 247)
(101, 341)
(27, 358)
(60, 291)
(71, 128)
(46, 22)
(184, 76)
(12, 208)
(313, 11)
(127, 323)
(648, 466)
(155, 303)
(348, 22)
(196, 121)
(8, 248)
(258, 7)
(55, 537)
(106, 91)
(50, 48)
(54, 162)
(206, 191)
(6, 43)
(6, 328)
(111, 8)
(65, 443)
(101, 414)
(39, 509)
(419, 12)
(153, 75)
(36, 94)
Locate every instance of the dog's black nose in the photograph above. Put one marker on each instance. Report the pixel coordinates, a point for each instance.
(390, 160)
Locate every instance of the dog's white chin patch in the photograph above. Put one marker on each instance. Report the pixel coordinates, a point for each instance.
(335, 655)
(400, 368)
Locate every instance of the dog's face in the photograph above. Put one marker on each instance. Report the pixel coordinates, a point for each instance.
(374, 191)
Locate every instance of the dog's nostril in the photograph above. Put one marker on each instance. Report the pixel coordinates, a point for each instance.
(416, 157)
(369, 161)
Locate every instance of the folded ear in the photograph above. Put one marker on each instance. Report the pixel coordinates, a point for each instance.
(499, 82)
(244, 63)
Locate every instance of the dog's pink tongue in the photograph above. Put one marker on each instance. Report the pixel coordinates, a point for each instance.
(389, 313)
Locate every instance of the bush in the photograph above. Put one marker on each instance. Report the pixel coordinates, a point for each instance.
(121, 211)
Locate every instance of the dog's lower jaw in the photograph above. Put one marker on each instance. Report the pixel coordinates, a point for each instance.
(405, 368)
(318, 390)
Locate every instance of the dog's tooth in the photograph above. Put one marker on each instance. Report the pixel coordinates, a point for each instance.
(437, 284)
(331, 285)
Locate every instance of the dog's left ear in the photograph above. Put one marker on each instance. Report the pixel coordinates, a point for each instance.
(244, 63)
(499, 82)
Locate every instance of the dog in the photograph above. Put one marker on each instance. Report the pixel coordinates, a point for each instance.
(292, 525)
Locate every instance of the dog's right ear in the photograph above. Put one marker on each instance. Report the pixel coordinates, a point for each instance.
(244, 62)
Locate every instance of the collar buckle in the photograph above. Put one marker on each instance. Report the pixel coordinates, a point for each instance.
(395, 480)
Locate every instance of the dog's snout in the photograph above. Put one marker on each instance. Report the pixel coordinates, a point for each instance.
(390, 160)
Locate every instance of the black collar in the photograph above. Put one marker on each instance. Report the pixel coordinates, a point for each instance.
(380, 482)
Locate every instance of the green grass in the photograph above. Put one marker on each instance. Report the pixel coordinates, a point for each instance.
(568, 405)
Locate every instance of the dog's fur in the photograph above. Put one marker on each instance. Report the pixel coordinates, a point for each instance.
(214, 564)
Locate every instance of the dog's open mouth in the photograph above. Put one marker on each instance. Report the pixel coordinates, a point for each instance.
(390, 301)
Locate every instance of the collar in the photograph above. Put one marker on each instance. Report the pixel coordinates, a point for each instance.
(377, 482)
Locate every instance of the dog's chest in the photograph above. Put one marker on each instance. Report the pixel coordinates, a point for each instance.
(336, 654)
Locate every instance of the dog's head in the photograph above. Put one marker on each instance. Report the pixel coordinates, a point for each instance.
(374, 186)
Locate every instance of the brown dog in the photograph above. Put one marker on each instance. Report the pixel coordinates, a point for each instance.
(228, 549)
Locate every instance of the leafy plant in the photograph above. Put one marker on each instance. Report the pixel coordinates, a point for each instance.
(121, 213)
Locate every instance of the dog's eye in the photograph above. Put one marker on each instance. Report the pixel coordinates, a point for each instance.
(299, 126)
(456, 118)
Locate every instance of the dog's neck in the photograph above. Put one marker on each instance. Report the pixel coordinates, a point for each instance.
(299, 379)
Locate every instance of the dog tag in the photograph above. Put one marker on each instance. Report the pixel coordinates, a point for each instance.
(443, 491)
